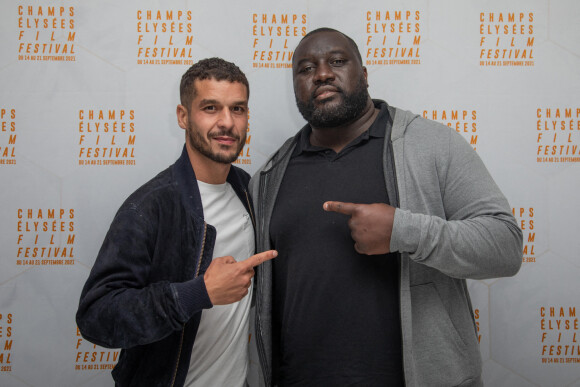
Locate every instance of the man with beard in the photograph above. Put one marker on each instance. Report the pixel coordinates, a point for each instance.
(171, 283)
(379, 216)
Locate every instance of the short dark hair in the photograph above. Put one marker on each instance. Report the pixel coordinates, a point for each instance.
(210, 68)
(327, 29)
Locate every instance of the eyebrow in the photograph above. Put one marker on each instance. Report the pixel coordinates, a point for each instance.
(216, 102)
(338, 51)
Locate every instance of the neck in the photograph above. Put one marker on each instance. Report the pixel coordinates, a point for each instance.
(336, 138)
(207, 170)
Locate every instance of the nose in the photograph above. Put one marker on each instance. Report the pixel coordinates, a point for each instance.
(226, 120)
(323, 73)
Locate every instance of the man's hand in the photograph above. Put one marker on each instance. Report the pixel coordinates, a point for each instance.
(370, 225)
(227, 281)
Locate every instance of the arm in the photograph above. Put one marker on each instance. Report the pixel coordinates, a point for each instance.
(119, 306)
(476, 236)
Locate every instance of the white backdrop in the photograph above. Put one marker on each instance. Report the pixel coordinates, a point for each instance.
(88, 91)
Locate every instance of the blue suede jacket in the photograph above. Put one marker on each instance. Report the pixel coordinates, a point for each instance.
(146, 292)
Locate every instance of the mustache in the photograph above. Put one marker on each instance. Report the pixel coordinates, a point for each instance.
(226, 133)
(338, 89)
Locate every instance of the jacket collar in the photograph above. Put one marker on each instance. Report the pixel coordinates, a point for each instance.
(185, 182)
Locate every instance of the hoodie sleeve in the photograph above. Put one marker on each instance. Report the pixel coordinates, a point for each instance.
(453, 216)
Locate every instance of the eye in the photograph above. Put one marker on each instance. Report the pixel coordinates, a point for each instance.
(209, 108)
(338, 62)
(239, 109)
(306, 69)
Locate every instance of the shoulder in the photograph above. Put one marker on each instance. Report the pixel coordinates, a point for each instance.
(283, 152)
(150, 192)
(417, 131)
(407, 123)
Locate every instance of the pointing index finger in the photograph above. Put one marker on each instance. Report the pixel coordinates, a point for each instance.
(340, 207)
(257, 259)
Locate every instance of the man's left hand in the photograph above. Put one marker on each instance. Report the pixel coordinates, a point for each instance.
(370, 225)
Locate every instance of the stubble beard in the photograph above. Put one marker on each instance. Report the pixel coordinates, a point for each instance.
(202, 145)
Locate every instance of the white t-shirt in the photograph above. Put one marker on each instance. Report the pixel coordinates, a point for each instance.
(220, 351)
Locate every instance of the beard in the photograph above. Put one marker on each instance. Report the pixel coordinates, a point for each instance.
(348, 109)
(203, 145)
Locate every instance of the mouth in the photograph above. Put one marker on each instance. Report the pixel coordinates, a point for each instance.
(225, 140)
(324, 92)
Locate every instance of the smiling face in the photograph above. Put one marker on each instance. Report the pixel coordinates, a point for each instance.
(330, 83)
(217, 120)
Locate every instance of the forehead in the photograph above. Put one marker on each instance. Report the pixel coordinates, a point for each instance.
(323, 43)
(223, 91)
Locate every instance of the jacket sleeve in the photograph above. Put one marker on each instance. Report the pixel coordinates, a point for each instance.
(473, 234)
(119, 307)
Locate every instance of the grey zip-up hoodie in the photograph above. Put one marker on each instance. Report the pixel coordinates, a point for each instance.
(451, 223)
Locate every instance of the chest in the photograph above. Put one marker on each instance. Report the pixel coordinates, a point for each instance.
(312, 178)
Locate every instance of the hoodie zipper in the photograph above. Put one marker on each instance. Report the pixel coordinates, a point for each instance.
(250, 209)
(258, 323)
(390, 167)
(183, 327)
(260, 211)
(259, 344)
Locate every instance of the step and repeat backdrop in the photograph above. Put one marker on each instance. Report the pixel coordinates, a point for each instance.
(88, 91)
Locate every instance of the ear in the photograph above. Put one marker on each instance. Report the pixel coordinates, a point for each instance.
(366, 75)
(182, 117)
